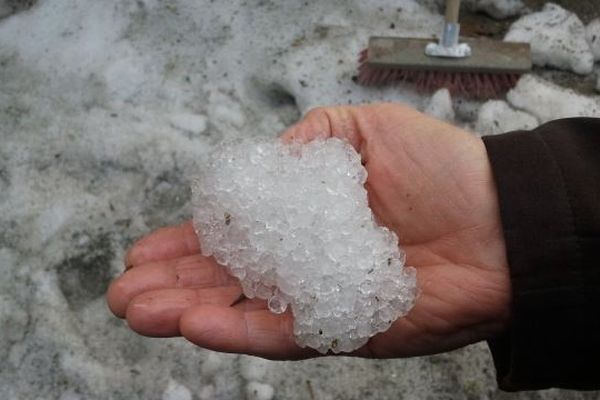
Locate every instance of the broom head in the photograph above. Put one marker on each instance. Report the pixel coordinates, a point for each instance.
(493, 67)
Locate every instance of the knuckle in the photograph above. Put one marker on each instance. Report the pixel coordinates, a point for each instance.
(318, 111)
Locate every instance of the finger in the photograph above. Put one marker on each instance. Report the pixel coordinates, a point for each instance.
(157, 313)
(307, 129)
(186, 272)
(325, 122)
(163, 244)
(227, 329)
(254, 304)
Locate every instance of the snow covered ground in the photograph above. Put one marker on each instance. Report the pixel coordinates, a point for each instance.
(105, 109)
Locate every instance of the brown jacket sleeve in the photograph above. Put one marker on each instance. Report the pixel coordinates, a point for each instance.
(548, 184)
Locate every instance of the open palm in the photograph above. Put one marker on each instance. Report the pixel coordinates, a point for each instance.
(428, 181)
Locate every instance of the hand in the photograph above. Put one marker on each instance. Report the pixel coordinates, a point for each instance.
(428, 181)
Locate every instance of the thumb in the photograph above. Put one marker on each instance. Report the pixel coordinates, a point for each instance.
(326, 122)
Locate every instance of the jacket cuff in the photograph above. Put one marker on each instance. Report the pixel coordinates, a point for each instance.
(548, 183)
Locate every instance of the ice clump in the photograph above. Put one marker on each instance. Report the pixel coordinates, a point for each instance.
(440, 105)
(557, 38)
(292, 222)
(547, 101)
(496, 116)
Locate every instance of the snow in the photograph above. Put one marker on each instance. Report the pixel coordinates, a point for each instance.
(592, 32)
(106, 108)
(259, 391)
(557, 37)
(176, 391)
(254, 368)
(187, 122)
(207, 392)
(440, 106)
(497, 116)
(547, 101)
(212, 364)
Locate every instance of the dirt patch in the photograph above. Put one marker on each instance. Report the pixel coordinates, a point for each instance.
(86, 275)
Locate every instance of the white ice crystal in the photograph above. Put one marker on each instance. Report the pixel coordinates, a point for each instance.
(292, 222)
(557, 38)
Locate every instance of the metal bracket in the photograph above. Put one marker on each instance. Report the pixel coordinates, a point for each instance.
(448, 45)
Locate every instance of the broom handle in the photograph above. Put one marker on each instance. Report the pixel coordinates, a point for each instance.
(449, 45)
(452, 8)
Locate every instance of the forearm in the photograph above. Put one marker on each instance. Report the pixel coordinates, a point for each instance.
(548, 184)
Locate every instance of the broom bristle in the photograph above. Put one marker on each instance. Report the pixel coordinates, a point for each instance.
(467, 84)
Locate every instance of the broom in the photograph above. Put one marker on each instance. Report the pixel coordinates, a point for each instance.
(475, 68)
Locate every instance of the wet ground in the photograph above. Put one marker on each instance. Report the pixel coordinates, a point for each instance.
(105, 107)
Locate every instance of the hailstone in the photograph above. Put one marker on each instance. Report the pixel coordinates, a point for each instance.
(292, 222)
